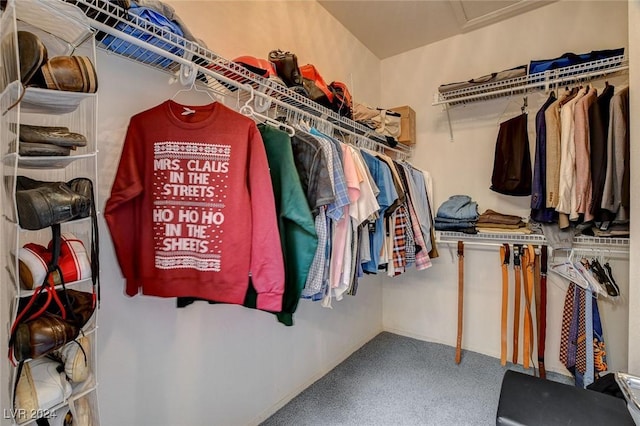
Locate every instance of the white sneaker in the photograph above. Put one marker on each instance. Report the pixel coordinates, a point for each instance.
(82, 412)
(40, 387)
(61, 417)
(75, 356)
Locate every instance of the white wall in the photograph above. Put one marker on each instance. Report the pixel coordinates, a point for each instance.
(424, 305)
(220, 364)
(235, 28)
(634, 296)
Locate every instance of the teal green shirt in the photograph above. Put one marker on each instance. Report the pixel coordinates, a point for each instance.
(295, 222)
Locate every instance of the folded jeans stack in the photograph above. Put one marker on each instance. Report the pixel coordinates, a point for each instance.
(458, 213)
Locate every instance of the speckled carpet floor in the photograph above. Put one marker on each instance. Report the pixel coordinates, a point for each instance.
(397, 380)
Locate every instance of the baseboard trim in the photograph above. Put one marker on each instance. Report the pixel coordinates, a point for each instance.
(285, 400)
(418, 336)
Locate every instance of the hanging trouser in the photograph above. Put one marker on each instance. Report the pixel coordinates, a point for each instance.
(505, 259)
(517, 248)
(528, 264)
(460, 299)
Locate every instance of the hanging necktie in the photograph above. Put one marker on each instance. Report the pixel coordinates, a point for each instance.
(581, 342)
(588, 320)
(573, 331)
(567, 321)
(505, 258)
(599, 350)
(516, 306)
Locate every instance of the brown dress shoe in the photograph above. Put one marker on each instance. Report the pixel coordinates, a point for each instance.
(70, 73)
(48, 332)
(42, 336)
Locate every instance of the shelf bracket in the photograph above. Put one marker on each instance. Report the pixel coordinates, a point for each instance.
(446, 109)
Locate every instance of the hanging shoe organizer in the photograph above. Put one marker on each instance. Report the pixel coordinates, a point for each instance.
(64, 30)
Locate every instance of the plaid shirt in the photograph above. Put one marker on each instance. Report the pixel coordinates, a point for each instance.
(317, 268)
(336, 172)
(422, 256)
(399, 239)
(410, 252)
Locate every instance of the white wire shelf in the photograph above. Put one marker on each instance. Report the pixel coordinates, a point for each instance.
(546, 81)
(579, 241)
(161, 49)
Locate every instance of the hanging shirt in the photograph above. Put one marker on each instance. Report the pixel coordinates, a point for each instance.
(313, 170)
(297, 229)
(192, 211)
(615, 193)
(336, 172)
(568, 155)
(341, 247)
(582, 141)
(384, 181)
(554, 151)
(366, 206)
(598, 127)
(539, 211)
(417, 191)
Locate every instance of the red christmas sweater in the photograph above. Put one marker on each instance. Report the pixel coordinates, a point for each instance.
(191, 211)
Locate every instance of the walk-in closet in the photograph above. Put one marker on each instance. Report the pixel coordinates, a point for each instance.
(162, 355)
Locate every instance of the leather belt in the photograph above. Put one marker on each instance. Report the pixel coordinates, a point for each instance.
(528, 263)
(505, 259)
(542, 317)
(536, 290)
(517, 248)
(460, 299)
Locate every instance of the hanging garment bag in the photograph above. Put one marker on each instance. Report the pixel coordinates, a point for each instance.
(512, 160)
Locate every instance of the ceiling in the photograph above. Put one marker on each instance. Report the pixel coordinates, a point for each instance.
(388, 28)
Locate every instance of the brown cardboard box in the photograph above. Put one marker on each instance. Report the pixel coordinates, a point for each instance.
(407, 125)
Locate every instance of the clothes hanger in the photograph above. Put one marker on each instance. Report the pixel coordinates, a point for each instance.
(609, 275)
(567, 269)
(248, 110)
(187, 77)
(584, 268)
(600, 273)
